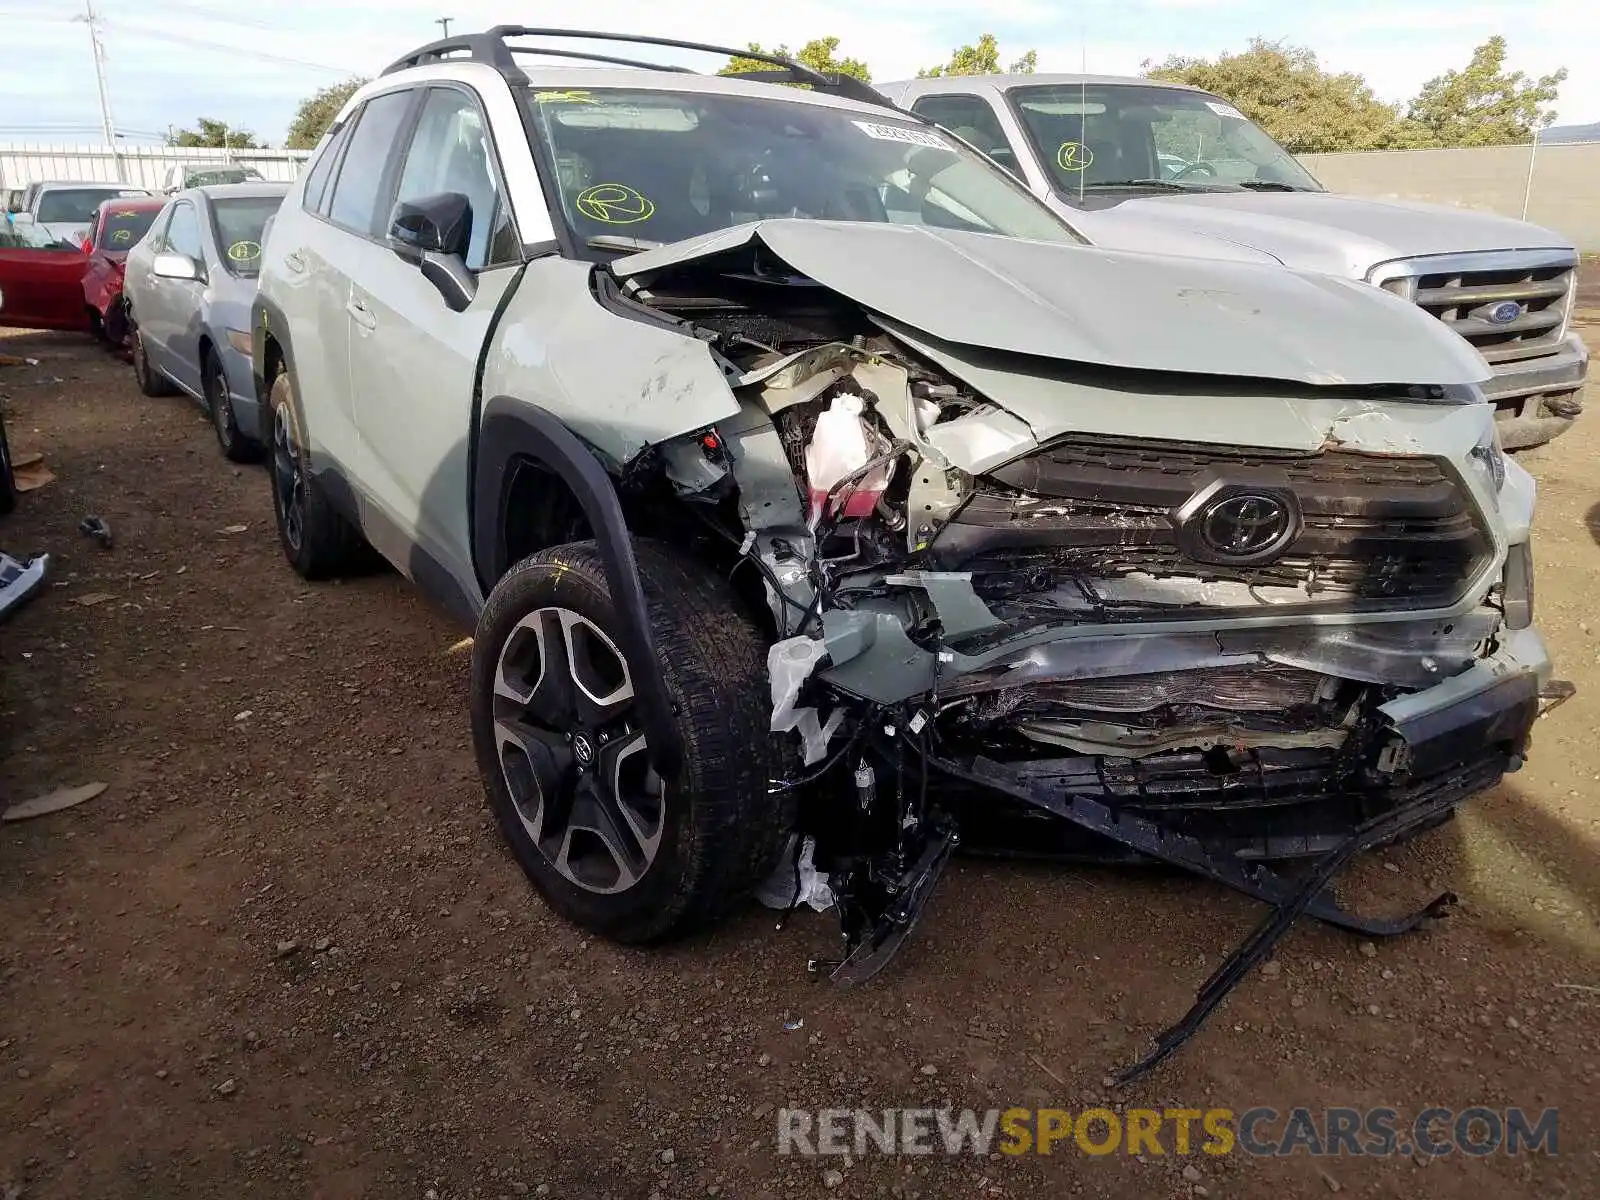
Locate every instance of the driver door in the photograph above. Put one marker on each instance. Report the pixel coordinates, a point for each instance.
(42, 289)
(169, 309)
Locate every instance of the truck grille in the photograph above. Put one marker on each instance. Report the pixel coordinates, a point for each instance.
(1377, 532)
(1473, 295)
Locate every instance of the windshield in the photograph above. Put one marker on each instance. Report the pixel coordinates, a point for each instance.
(123, 227)
(648, 167)
(33, 237)
(240, 224)
(206, 176)
(1098, 137)
(74, 205)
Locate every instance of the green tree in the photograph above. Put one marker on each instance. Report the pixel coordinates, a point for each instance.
(215, 133)
(316, 113)
(983, 58)
(1485, 105)
(820, 54)
(1286, 91)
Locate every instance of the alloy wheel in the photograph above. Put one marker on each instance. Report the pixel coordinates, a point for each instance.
(288, 481)
(573, 753)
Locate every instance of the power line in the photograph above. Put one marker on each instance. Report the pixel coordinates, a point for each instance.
(148, 32)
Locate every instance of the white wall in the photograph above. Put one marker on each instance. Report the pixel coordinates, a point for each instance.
(139, 166)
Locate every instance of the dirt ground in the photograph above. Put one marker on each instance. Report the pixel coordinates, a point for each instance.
(285, 955)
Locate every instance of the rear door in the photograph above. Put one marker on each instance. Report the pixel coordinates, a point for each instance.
(413, 360)
(320, 250)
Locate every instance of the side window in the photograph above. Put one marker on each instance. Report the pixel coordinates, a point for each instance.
(157, 236)
(183, 235)
(315, 193)
(358, 191)
(972, 118)
(450, 153)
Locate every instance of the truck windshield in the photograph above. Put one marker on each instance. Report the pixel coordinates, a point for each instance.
(1094, 138)
(239, 224)
(76, 205)
(652, 167)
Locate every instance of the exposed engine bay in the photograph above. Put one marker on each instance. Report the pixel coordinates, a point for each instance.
(1037, 606)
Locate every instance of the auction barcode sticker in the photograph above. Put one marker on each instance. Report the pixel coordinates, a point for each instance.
(899, 133)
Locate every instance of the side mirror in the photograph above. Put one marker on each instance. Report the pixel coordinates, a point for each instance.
(18, 217)
(174, 266)
(435, 232)
(437, 224)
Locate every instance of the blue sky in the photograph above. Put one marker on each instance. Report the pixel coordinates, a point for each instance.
(174, 60)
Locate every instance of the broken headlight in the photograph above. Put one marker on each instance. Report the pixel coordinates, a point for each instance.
(1490, 458)
(1518, 602)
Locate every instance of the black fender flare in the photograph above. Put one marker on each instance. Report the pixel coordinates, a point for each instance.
(515, 431)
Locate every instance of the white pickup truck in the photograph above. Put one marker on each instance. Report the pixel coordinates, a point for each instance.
(66, 210)
(1136, 164)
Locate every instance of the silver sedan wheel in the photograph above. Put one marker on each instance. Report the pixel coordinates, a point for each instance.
(572, 751)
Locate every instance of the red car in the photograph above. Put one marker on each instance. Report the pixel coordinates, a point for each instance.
(41, 280)
(118, 225)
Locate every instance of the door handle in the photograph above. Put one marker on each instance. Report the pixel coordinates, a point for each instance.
(295, 263)
(362, 315)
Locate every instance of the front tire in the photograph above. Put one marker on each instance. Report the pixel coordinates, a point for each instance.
(317, 541)
(560, 744)
(149, 378)
(236, 447)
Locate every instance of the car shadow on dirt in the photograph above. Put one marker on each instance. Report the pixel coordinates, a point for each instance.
(1591, 522)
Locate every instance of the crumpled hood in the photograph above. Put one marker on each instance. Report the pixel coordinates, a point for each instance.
(1320, 231)
(1106, 307)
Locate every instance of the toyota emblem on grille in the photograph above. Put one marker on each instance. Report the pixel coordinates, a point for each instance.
(1505, 312)
(1245, 526)
(1238, 522)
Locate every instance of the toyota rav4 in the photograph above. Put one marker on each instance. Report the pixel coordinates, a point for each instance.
(805, 477)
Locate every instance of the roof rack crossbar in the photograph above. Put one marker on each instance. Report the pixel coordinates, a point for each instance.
(490, 47)
(535, 51)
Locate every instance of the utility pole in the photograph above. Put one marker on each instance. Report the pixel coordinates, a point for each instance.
(92, 20)
(98, 47)
(444, 23)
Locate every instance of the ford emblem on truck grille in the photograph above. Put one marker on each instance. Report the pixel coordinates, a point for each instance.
(1505, 312)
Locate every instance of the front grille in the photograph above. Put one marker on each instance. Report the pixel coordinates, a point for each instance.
(1378, 532)
(1464, 290)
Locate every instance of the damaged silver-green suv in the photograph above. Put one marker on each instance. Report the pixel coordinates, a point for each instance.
(807, 480)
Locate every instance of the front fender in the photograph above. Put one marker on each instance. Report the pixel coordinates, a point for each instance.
(515, 432)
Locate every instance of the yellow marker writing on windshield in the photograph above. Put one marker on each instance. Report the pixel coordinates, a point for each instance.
(1074, 156)
(614, 204)
(244, 251)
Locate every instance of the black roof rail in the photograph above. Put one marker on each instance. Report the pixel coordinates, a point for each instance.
(480, 47)
(490, 47)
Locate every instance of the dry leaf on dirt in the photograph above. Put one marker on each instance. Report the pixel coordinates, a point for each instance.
(52, 802)
(26, 460)
(233, 529)
(92, 598)
(33, 477)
